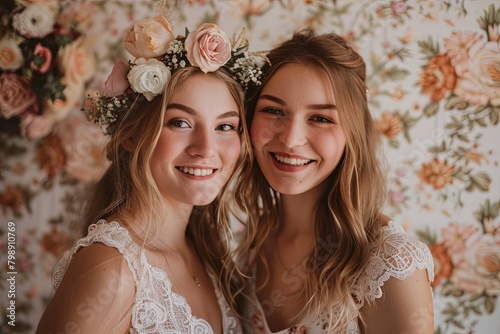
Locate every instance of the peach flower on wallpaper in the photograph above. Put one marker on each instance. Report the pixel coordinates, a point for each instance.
(436, 173)
(389, 124)
(438, 77)
(58, 109)
(11, 198)
(443, 267)
(83, 144)
(469, 259)
(477, 65)
(78, 62)
(55, 242)
(480, 270)
(50, 155)
(454, 238)
(481, 84)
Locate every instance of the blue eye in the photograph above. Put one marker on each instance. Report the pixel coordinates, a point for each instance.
(178, 123)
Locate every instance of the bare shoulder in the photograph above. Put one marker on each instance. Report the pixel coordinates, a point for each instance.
(97, 290)
(405, 306)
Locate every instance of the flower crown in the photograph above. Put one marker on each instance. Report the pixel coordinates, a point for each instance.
(158, 54)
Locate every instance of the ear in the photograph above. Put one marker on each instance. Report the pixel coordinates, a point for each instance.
(129, 144)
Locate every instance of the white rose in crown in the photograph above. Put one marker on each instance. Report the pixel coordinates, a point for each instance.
(208, 47)
(149, 77)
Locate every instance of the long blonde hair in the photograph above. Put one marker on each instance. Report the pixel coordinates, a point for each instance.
(128, 191)
(348, 215)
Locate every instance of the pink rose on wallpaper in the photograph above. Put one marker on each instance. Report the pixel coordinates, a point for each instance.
(34, 126)
(117, 82)
(16, 95)
(149, 38)
(458, 47)
(455, 236)
(43, 59)
(480, 84)
(399, 7)
(397, 197)
(208, 47)
(84, 145)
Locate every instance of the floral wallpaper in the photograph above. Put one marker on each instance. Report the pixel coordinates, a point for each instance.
(434, 91)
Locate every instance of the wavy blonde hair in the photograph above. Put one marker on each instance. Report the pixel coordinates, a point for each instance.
(348, 216)
(127, 189)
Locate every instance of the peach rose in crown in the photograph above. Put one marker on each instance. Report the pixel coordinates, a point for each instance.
(149, 38)
(208, 47)
(117, 83)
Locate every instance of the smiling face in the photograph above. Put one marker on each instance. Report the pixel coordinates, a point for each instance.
(296, 135)
(199, 144)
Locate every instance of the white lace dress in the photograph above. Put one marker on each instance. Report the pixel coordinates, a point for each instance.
(157, 308)
(399, 257)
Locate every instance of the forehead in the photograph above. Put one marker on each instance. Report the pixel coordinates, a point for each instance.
(301, 83)
(204, 93)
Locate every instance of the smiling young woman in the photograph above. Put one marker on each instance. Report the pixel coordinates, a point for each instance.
(320, 254)
(155, 255)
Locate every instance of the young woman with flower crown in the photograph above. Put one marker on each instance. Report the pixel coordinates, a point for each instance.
(158, 219)
(321, 255)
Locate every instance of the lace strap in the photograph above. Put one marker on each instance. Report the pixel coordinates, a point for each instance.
(399, 256)
(110, 234)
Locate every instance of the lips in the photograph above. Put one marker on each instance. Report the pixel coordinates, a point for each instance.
(196, 171)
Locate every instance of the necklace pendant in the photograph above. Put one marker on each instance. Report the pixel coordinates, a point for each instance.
(196, 280)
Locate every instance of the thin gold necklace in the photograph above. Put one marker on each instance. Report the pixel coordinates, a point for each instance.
(195, 278)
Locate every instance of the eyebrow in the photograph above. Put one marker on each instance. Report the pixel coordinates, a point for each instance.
(320, 106)
(193, 112)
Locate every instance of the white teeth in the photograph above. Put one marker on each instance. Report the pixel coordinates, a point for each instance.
(196, 171)
(291, 161)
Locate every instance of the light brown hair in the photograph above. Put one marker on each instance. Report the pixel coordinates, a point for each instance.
(348, 215)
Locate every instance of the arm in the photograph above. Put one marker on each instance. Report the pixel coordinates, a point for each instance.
(405, 307)
(96, 295)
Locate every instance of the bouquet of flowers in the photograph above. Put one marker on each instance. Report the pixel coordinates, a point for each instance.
(45, 64)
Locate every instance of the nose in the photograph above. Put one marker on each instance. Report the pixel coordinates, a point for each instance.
(293, 133)
(203, 143)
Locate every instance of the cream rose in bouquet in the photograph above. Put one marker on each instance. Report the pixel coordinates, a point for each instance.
(149, 38)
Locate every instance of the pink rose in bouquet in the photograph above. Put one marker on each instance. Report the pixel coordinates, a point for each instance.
(208, 47)
(117, 83)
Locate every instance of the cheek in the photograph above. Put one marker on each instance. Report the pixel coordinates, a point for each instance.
(261, 132)
(231, 150)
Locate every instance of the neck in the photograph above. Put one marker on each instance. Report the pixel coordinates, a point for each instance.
(171, 232)
(298, 212)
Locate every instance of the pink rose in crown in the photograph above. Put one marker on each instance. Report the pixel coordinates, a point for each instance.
(117, 82)
(208, 47)
(16, 95)
(43, 59)
(149, 38)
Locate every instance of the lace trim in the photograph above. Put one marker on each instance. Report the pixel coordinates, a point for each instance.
(399, 256)
(157, 307)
